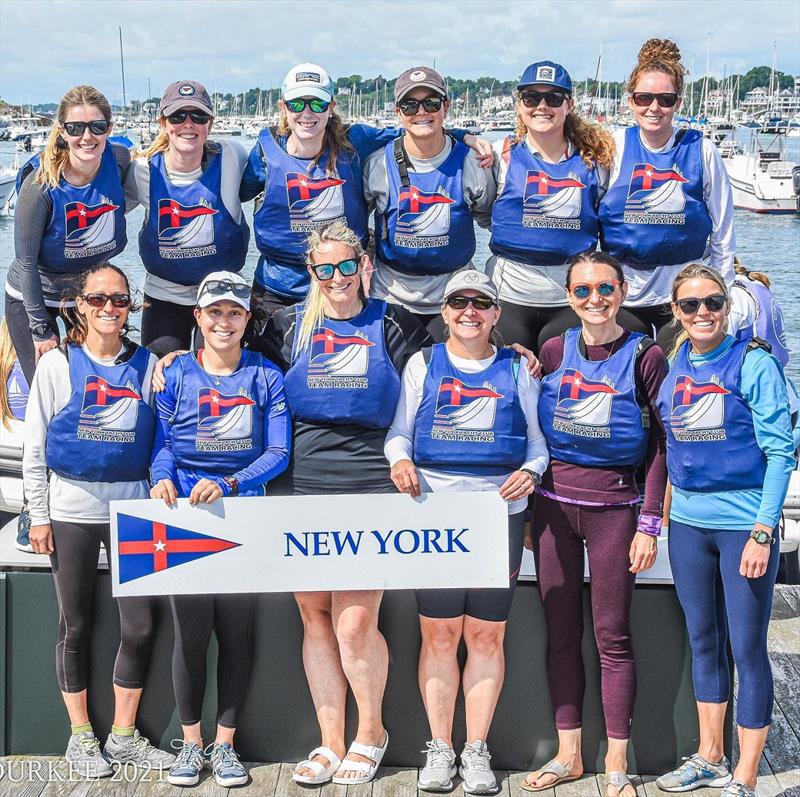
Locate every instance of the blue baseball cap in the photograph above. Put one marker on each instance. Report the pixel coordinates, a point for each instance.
(546, 73)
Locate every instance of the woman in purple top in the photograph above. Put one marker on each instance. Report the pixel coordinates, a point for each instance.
(596, 411)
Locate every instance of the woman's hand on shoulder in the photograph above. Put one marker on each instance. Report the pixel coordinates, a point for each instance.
(159, 380)
(643, 552)
(519, 484)
(482, 148)
(165, 490)
(205, 491)
(41, 538)
(405, 478)
(755, 556)
(42, 346)
(534, 366)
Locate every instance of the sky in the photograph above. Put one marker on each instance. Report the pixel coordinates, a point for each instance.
(47, 46)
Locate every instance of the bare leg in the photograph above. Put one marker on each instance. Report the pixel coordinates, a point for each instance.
(751, 746)
(484, 673)
(617, 761)
(193, 734)
(568, 754)
(76, 707)
(224, 735)
(126, 704)
(712, 719)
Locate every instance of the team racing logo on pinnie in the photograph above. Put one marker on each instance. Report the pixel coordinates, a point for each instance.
(584, 405)
(338, 361)
(655, 196)
(185, 230)
(313, 202)
(698, 410)
(109, 412)
(225, 423)
(89, 228)
(552, 201)
(147, 547)
(423, 218)
(465, 412)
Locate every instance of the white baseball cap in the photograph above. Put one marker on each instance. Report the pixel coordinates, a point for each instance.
(469, 279)
(220, 286)
(307, 80)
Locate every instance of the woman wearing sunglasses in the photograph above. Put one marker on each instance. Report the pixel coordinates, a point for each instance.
(193, 220)
(550, 177)
(342, 354)
(512, 464)
(669, 199)
(725, 409)
(308, 169)
(230, 465)
(596, 410)
(70, 214)
(77, 458)
(425, 191)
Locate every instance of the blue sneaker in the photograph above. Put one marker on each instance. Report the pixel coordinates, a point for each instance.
(188, 764)
(228, 769)
(23, 542)
(696, 772)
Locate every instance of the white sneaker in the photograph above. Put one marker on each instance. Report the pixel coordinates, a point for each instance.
(475, 770)
(440, 767)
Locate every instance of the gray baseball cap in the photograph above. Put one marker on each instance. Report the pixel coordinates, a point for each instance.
(469, 279)
(419, 76)
(185, 94)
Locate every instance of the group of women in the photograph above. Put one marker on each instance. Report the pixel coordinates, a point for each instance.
(608, 414)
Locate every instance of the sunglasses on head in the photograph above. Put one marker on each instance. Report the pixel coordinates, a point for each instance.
(410, 107)
(583, 290)
(301, 103)
(220, 287)
(552, 99)
(325, 271)
(179, 117)
(714, 303)
(461, 302)
(643, 99)
(99, 300)
(98, 127)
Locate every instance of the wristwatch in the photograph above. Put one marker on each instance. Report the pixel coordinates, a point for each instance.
(233, 483)
(537, 479)
(41, 330)
(762, 537)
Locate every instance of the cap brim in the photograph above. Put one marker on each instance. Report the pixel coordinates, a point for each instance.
(422, 84)
(188, 102)
(307, 91)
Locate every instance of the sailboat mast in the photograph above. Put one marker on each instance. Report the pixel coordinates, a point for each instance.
(122, 68)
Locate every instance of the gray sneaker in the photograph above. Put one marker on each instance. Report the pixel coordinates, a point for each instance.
(136, 750)
(738, 789)
(189, 763)
(85, 757)
(440, 767)
(228, 769)
(475, 770)
(694, 773)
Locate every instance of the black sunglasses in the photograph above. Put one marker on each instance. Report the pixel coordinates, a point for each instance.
(410, 107)
(325, 271)
(97, 126)
(299, 105)
(714, 303)
(552, 99)
(179, 117)
(643, 99)
(219, 287)
(99, 300)
(460, 302)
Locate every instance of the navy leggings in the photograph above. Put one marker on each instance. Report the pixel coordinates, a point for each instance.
(718, 601)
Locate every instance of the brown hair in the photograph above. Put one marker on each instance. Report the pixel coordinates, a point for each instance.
(161, 142)
(690, 272)
(55, 157)
(600, 258)
(757, 276)
(7, 359)
(77, 326)
(334, 140)
(659, 55)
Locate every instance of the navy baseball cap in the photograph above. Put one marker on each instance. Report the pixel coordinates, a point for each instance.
(546, 73)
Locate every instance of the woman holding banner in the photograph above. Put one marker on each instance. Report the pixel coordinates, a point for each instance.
(512, 462)
(233, 380)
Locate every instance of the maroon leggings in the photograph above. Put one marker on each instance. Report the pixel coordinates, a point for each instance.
(560, 531)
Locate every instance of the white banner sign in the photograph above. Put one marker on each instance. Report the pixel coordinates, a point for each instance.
(308, 543)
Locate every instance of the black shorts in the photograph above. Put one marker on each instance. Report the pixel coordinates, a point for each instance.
(492, 604)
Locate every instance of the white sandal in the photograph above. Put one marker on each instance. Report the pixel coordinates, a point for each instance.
(322, 774)
(375, 754)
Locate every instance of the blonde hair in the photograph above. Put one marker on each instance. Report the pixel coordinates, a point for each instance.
(690, 272)
(593, 144)
(314, 311)
(757, 276)
(659, 55)
(55, 156)
(8, 356)
(161, 141)
(334, 141)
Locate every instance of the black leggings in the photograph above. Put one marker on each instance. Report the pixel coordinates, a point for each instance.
(265, 303)
(434, 323)
(74, 563)
(166, 326)
(231, 618)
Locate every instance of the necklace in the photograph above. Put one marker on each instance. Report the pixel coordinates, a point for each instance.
(608, 356)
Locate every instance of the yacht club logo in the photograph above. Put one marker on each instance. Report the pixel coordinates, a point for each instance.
(655, 196)
(108, 412)
(698, 410)
(313, 202)
(225, 422)
(552, 201)
(423, 218)
(89, 228)
(465, 412)
(584, 405)
(338, 361)
(185, 230)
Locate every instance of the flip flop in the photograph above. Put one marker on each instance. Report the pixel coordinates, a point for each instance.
(619, 780)
(552, 767)
(322, 774)
(375, 754)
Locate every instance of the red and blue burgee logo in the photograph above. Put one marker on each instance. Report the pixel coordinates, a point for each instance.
(222, 416)
(147, 546)
(314, 199)
(653, 190)
(89, 225)
(423, 213)
(552, 196)
(107, 406)
(583, 401)
(185, 226)
(342, 355)
(465, 406)
(698, 405)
